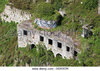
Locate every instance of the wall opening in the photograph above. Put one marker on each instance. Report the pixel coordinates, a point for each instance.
(59, 45)
(75, 53)
(50, 42)
(41, 38)
(58, 56)
(67, 48)
(50, 54)
(25, 32)
(32, 46)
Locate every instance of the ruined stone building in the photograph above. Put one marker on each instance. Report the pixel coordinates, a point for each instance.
(58, 42)
(87, 30)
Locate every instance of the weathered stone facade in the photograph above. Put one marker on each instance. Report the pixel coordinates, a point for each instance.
(58, 42)
(13, 14)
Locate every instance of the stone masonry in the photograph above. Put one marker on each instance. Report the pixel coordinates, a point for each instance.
(58, 42)
(14, 14)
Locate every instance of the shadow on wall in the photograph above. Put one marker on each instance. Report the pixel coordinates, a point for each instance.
(32, 46)
(60, 18)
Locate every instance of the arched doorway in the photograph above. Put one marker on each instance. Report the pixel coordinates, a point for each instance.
(58, 56)
(32, 46)
(50, 53)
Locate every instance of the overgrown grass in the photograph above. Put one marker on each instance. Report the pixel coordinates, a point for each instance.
(8, 42)
(2, 5)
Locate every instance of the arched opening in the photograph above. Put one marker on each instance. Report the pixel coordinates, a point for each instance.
(58, 56)
(50, 53)
(32, 46)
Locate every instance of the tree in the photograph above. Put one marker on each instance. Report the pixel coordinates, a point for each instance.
(57, 4)
(90, 4)
(85, 58)
(44, 9)
(21, 4)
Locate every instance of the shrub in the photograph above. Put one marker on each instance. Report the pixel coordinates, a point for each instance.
(21, 4)
(44, 9)
(90, 4)
(2, 5)
(57, 4)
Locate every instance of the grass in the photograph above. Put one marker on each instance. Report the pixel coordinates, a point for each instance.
(8, 42)
(2, 5)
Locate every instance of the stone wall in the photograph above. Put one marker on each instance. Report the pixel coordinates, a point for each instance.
(62, 12)
(33, 37)
(13, 14)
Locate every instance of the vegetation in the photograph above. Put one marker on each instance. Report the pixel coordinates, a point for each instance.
(44, 9)
(57, 4)
(2, 5)
(90, 4)
(21, 4)
(7, 37)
